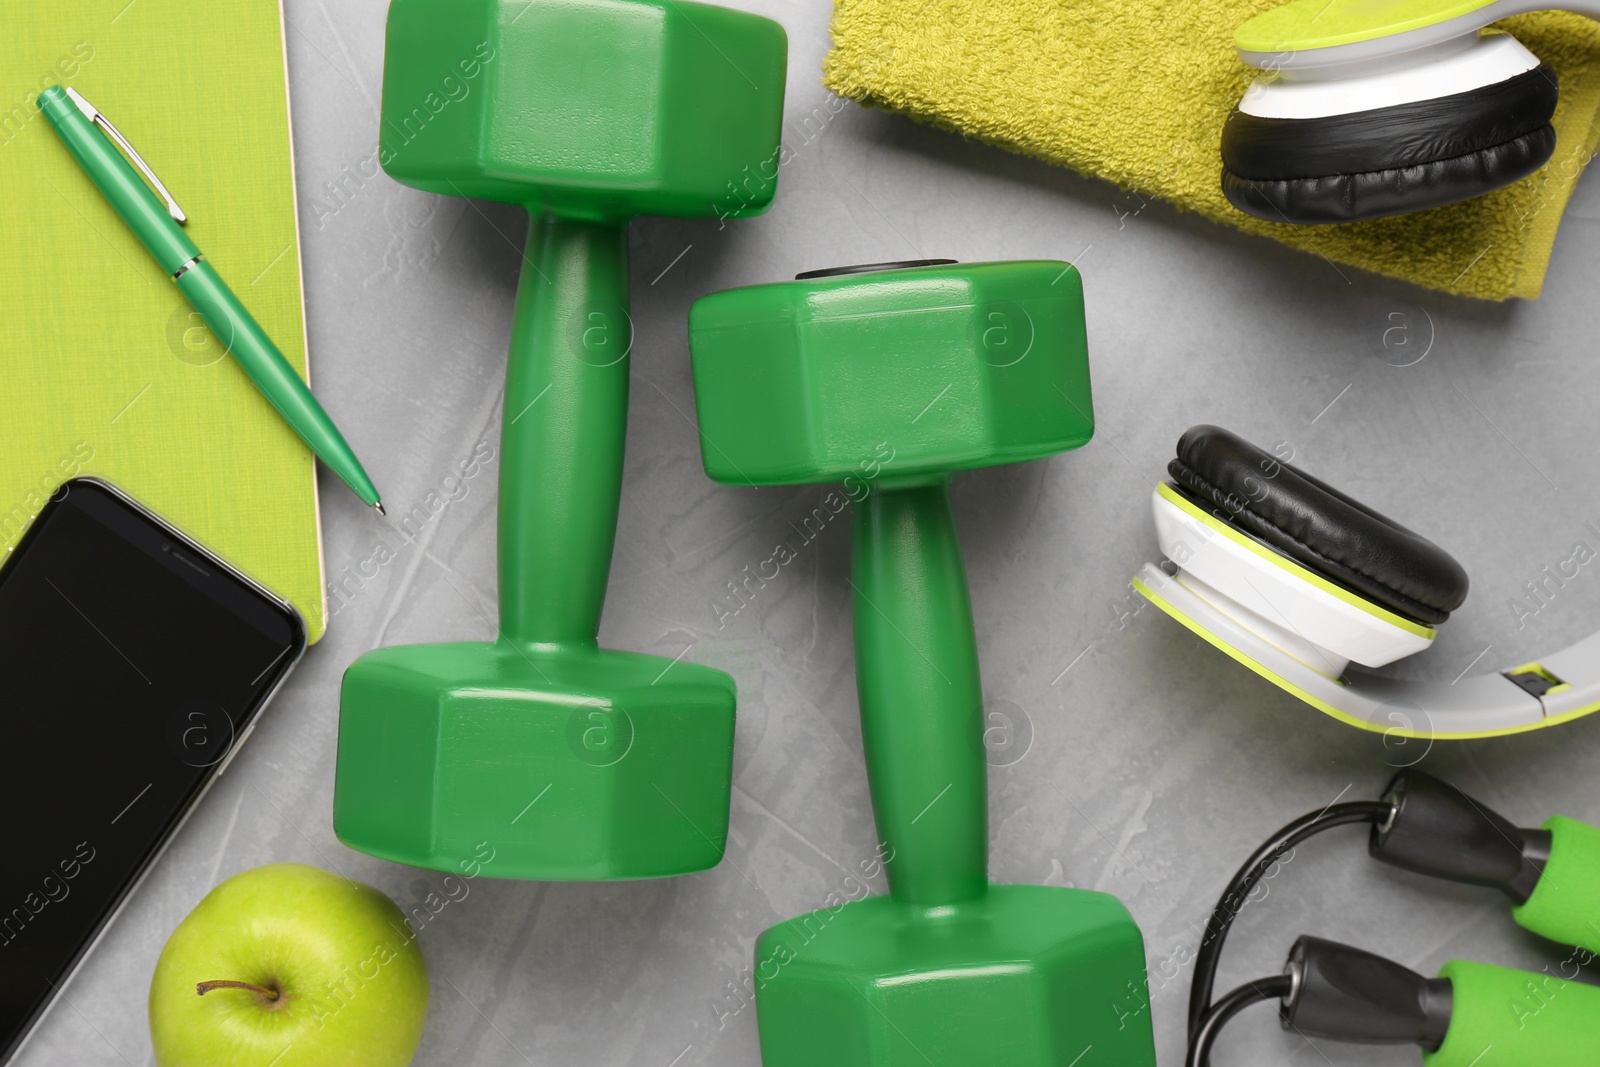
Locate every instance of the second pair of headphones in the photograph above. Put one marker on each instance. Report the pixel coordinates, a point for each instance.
(1312, 589)
(1369, 108)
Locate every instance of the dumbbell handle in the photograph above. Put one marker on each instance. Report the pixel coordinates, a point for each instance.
(921, 702)
(563, 429)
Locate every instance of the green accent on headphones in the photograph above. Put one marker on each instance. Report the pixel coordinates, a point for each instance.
(1378, 726)
(1540, 671)
(1286, 616)
(1170, 493)
(1306, 25)
(1278, 680)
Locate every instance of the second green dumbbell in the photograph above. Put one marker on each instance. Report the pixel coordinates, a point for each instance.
(910, 372)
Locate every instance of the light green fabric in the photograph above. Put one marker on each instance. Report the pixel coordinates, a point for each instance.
(1137, 94)
(101, 357)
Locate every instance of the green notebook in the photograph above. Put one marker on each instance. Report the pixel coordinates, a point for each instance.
(106, 370)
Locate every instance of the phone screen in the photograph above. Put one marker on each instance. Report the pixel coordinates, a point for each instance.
(131, 665)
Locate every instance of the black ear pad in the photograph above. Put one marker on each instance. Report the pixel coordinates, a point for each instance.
(1390, 160)
(1319, 527)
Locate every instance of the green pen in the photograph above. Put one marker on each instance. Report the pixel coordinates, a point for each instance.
(160, 229)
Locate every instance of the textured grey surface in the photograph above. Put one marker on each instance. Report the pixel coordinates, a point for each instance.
(1155, 763)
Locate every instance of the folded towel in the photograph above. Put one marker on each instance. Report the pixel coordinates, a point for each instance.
(1137, 94)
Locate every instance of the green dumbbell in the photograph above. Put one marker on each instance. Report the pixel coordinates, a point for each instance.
(558, 758)
(890, 379)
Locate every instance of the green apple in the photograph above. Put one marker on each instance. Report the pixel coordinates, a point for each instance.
(289, 966)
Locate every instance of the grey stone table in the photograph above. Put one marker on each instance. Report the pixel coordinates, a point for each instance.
(1145, 763)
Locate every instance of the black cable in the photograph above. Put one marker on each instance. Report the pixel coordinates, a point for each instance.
(1205, 1033)
(1245, 881)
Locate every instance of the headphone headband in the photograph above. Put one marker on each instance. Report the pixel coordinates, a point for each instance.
(1552, 690)
(1315, 34)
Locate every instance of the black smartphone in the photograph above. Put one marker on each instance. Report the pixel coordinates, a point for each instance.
(133, 664)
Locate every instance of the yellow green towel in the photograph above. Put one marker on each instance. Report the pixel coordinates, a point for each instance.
(1137, 94)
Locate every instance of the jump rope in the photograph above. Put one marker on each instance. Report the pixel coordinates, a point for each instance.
(1470, 1013)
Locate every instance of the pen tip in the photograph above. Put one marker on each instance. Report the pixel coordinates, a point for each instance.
(379, 505)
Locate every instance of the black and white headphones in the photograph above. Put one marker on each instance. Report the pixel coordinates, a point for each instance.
(1369, 108)
(1310, 588)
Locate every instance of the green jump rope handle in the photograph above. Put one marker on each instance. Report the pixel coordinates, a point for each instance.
(1508, 1018)
(1502, 1017)
(921, 703)
(563, 430)
(1565, 905)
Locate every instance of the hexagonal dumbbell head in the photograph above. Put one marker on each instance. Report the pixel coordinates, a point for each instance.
(911, 370)
(557, 759)
(585, 765)
(587, 108)
(1025, 976)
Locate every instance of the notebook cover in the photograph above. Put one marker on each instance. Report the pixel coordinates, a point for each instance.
(104, 367)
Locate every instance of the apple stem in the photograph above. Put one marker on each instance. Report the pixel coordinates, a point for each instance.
(202, 988)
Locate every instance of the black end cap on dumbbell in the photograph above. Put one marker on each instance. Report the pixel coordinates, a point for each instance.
(1346, 994)
(869, 268)
(1438, 830)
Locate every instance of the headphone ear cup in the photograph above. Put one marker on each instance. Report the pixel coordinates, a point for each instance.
(1350, 545)
(1378, 194)
(1389, 160)
(1275, 600)
(1295, 562)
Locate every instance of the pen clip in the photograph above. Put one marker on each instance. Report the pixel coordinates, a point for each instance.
(93, 114)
